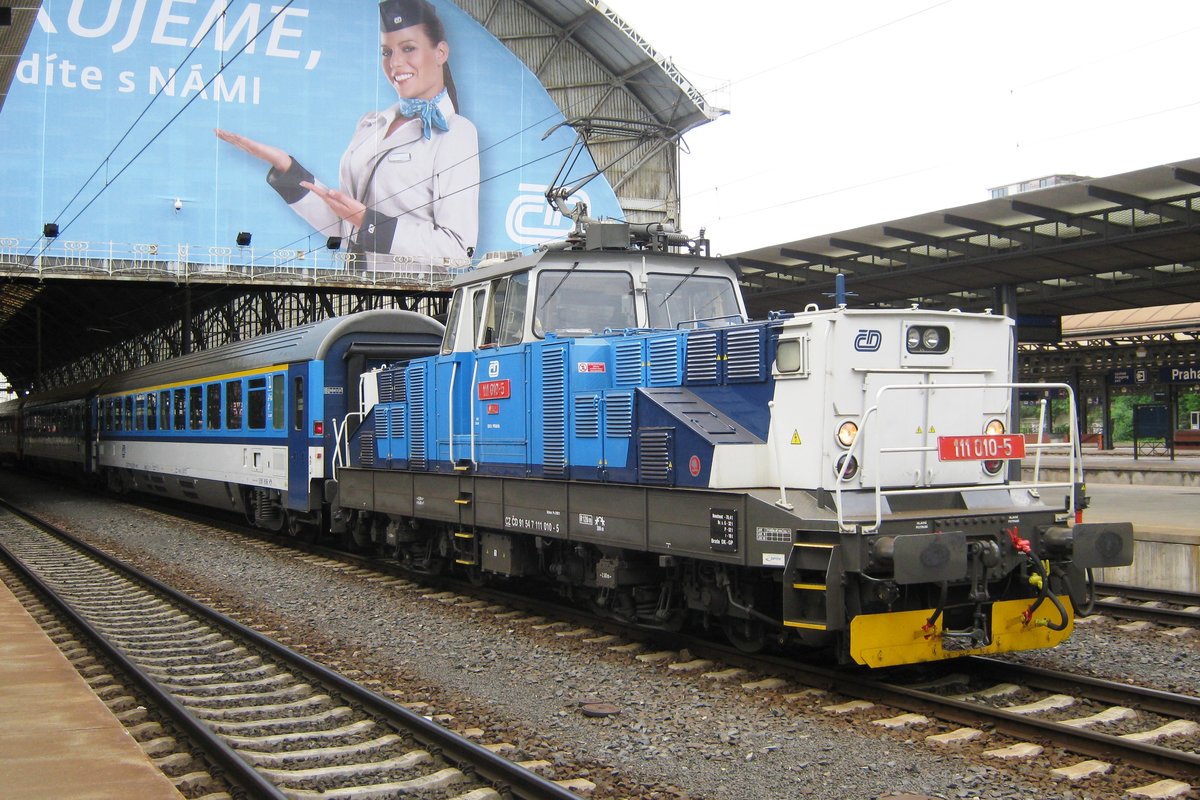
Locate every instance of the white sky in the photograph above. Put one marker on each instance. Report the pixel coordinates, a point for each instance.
(851, 113)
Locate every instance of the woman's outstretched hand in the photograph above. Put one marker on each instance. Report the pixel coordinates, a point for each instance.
(342, 204)
(274, 156)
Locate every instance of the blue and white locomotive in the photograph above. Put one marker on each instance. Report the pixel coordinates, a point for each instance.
(604, 418)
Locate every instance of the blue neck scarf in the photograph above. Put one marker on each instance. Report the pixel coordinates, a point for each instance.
(431, 116)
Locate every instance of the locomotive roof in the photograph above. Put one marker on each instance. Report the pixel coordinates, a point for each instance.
(586, 259)
(302, 343)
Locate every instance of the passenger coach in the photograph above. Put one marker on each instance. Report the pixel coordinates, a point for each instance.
(243, 426)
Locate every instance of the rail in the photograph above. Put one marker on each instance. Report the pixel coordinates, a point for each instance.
(1034, 487)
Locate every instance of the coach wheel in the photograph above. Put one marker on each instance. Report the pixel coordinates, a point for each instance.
(298, 526)
(747, 635)
(115, 481)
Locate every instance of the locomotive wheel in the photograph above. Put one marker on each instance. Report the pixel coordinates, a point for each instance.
(747, 635)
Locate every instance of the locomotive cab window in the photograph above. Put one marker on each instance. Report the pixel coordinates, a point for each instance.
(451, 335)
(575, 302)
(691, 301)
(504, 323)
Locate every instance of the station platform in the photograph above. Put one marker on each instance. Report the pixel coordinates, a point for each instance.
(1160, 496)
(57, 739)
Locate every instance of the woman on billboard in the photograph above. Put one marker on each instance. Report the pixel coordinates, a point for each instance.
(409, 180)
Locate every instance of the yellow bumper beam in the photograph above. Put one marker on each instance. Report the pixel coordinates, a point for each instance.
(887, 640)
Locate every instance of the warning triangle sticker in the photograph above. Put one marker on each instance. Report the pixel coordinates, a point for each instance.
(795, 437)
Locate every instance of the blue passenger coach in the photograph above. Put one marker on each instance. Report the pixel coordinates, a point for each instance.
(245, 426)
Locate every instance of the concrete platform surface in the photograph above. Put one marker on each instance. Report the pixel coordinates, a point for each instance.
(57, 739)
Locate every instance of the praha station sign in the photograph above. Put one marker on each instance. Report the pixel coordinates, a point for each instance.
(1182, 373)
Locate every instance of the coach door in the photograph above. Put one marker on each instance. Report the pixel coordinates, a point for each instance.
(297, 436)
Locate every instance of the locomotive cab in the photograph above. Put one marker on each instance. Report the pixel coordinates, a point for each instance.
(555, 294)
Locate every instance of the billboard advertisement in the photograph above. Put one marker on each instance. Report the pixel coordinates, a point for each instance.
(403, 132)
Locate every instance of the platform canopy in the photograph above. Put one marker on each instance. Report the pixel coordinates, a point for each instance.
(1103, 244)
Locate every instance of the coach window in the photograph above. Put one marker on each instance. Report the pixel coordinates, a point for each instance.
(277, 402)
(196, 407)
(152, 411)
(298, 404)
(213, 405)
(180, 409)
(139, 412)
(233, 405)
(256, 404)
(164, 411)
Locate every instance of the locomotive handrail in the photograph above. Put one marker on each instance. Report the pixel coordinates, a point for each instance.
(1075, 464)
(340, 437)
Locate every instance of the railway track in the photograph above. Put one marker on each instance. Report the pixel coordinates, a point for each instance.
(1150, 730)
(277, 724)
(994, 700)
(1181, 609)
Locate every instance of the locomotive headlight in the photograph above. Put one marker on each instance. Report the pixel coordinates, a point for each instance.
(847, 432)
(927, 339)
(847, 468)
(995, 427)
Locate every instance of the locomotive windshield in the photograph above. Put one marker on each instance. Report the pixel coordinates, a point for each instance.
(575, 302)
(691, 301)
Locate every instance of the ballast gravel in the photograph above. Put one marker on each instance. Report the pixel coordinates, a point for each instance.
(674, 735)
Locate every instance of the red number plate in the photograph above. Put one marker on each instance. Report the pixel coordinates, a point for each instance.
(980, 448)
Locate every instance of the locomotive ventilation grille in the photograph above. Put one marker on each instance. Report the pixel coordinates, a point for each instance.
(618, 415)
(628, 358)
(387, 386)
(381, 422)
(744, 355)
(416, 394)
(664, 361)
(702, 358)
(654, 456)
(554, 411)
(587, 416)
(367, 454)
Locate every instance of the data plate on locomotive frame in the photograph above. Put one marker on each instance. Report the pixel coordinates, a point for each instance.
(980, 448)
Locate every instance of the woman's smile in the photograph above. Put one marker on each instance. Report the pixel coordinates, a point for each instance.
(413, 63)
